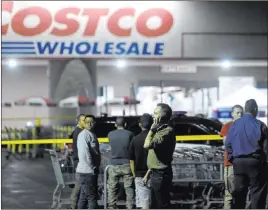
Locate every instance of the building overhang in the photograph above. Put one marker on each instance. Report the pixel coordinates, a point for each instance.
(152, 62)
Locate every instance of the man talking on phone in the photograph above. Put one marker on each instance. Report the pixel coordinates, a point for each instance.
(161, 142)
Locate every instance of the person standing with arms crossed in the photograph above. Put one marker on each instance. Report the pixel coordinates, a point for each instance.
(237, 112)
(161, 142)
(246, 144)
(80, 121)
(138, 163)
(120, 141)
(88, 165)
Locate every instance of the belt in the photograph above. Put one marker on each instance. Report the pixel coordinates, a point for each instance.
(162, 169)
(256, 156)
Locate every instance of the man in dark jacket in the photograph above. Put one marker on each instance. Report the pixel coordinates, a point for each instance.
(246, 144)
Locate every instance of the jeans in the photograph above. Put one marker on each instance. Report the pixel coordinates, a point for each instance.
(161, 182)
(143, 194)
(89, 191)
(229, 186)
(249, 173)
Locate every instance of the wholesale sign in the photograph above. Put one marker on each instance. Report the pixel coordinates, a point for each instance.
(72, 29)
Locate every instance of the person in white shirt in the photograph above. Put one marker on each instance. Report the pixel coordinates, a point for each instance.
(88, 165)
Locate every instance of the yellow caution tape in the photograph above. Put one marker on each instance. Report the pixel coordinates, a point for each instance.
(105, 140)
(199, 138)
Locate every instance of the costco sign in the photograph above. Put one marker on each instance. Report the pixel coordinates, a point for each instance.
(72, 29)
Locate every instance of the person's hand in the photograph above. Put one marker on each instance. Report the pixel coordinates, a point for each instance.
(96, 170)
(155, 124)
(145, 179)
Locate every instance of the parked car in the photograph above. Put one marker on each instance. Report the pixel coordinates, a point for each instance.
(183, 125)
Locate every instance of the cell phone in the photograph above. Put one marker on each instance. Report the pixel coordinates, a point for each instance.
(158, 120)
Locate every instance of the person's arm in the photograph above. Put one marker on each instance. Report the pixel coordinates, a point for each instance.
(93, 143)
(93, 146)
(228, 141)
(158, 138)
(132, 167)
(224, 132)
(132, 157)
(148, 139)
(151, 133)
(71, 135)
(109, 138)
(147, 176)
(264, 131)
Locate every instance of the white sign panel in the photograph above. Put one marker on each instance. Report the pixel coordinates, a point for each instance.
(96, 29)
(178, 69)
(228, 85)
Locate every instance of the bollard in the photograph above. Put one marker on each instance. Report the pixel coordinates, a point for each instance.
(12, 136)
(23, 133)
(61, 136)
(65, 128)
(70, 130)
(38, 132)
(27, 149)
(28, 133)
(33, 150)
(55, 136)
(19, 135)
(5, 137)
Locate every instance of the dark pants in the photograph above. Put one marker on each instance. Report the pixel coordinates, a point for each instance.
(161, 181)
(249, 173)
(89, 191)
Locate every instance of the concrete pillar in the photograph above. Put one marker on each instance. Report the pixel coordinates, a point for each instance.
(55, 70)
(70, 78)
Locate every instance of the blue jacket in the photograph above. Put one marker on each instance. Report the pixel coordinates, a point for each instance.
(246, 136)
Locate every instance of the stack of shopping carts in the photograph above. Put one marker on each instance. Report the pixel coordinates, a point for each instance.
(197, 177)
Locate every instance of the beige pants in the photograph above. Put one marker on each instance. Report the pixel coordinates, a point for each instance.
(229, 186)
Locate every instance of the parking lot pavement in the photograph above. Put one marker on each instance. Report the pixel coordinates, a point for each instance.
(27, 184)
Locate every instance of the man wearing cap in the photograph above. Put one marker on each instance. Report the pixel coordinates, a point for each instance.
(246, 144)
(237, 112)
(138, 163)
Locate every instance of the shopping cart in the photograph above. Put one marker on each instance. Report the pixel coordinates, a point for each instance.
(63, 166)
(197, 178)
(201, 169)
(200, 180)
(65, 176)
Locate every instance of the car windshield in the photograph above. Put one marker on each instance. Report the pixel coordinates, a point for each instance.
(211, 129)
(103, 128)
